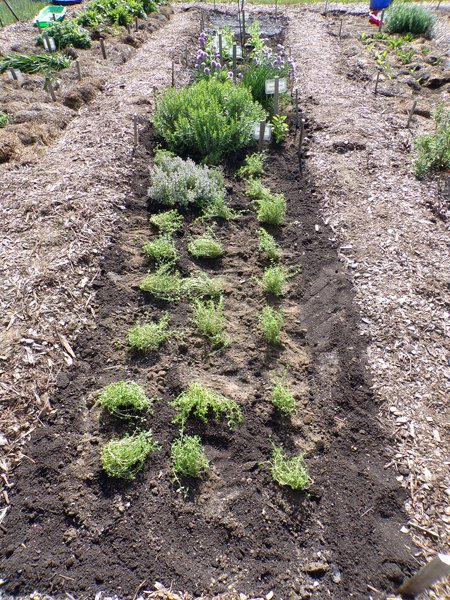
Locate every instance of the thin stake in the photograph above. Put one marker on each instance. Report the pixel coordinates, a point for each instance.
(214, 4)
(234, 62)
(296, 109)
(202, 21)
(220, 47)
(262, 128)
(276, 10)
(50, 89)
(340, 28)
(128, 28)
(78, 68)
(102, 46)
(411, 113)
(376, 82)
(11, 9)
(240, 29)
(13, 73)
(135, 130)
(381, 20)
(276, 95)
(243, 27)
(186, 55)
(300, 142)
(326, 7)
(431, 573)
(173, 74)
(136, 24)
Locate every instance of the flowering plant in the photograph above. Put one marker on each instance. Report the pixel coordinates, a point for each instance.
(208, 62)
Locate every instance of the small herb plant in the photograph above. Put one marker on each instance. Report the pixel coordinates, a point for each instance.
(148, 337)
(408, 18)
(124, 399)
(279, 128)
(178, 182)
(210, 321)
(271, 321)
(124, 458)
(35, 63)
(274, 280)
(218, 209)
(434, 148)
(282, 399)
(253, 167)
(188, 457)
(268, 245)
(201, 284)
(205, 246)
(167, 222)
(270, 208)
(5, 118)
(66, 33)
(203, 403)
(161, 250)
(163, 284)
(290, 471)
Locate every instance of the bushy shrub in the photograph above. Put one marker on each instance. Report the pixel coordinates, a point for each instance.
(408, 18)
(178, 182)
(115, 12)
(434, 148)
(67, 33)
(207, 120)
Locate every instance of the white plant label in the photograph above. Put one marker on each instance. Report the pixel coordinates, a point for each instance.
(267, 132)
(49, 44)
(282, 86)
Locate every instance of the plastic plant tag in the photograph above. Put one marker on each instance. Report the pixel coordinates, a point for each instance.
(16, 75)
(282, 86)
(49, 44)
(267, 132)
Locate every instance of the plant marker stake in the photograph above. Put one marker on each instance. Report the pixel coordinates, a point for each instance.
(11, 9)
(431, 573)
(128, 28)
(135, 130)
(276, 95)
(243, 27)
(78, 68)
(136, 24)
(102, 46)
(234, 62)
(300, 143)
(381, 20)
(411, 113)
(326, 8)
(186, 55)
(240, 29)
(220, 47)
(173, 74)
(13, 74)
(340, 28)
(50, 89)
(376, 82)
(262, 128)
(296, 109)
(276, 10)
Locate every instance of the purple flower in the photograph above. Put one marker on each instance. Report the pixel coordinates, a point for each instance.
(196, 66)
(214, 64)
(207, 71)
(230, 74)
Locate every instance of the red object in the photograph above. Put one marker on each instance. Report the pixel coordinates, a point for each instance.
(374, 17)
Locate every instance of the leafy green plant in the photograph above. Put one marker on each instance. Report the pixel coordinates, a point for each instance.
(207, 120)
(163, 284)
(167, 222)
(253, 166)
(178, 182)
(161, 250)
(188, 457)
(203, 403)
(404, 18)
(274, 280)
(35, 63)
(114, 12)
(290, 471)
(149, 336)
(271, 321)
(282, 399)
(123, 399)
(210, 320)
(279, 128)
(434, 148)
(218, 209)
(66, 33)
(124, 458)
(201, 284)
(270, 208)
(5, 118)
(205, 246)
(395, 43)
(405, 56)
(268, 245)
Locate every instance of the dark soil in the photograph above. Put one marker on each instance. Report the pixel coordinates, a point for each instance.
(71, 529)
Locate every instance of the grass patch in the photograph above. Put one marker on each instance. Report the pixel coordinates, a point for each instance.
(201, 284)
(210, 320)
(124, 399)
(203, 403)
(274, 280)
(24, 9)
(271, 321)
(270, 208)
(205, 246)
(253, 167)
(163, 284)
(149, 337)
(161, 250)
(282, 399)
(408, 18)
(268, 245)
(434, 148)
(188, 457)
(290, 471)
(125, 457)
(167, 222)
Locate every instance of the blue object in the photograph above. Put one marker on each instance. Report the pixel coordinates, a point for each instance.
(379, 4)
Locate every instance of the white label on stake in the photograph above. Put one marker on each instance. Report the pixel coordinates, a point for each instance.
(282, 86)
(267, 132)
(49, 44)
(16, 75)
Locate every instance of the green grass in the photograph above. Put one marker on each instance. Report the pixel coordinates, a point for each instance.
(188, 457)
(25, 9)
(125, 457)
(270, 208)
(210, 320)
(271, 321)
(124, 399)
(148, 337)
(268, 245)
(201, 284)
(274, 280)
(161, 250)
(167, 222)
(282, 399)
(434, 148)
(163, 284)
(253, 166)
(408, 18)
(290, 471)
(203, 403)
(205, 246)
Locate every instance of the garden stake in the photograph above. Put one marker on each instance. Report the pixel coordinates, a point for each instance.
(276, 95)
(220, 47)
(340, 28)
(128, 28)
(234, 62)
(326, 8)
(431, 573)
(173, 74)
(276, 10)
(262, 128)
(11, 9)
(296, 109)
(381, 20)
(186, 56)
(13, 74)
(78, 68)
(376, 82)
(136, 131)
(411, 113)
(136, 24)
(49, 88)
(202, 21)
(240, 30)
(300, 143)
(243, 27)
(102, 46)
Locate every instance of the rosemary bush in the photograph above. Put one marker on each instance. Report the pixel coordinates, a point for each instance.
(148, 337)
(123, 399)
(408, 18)
(125, 457)
(188, 457)
(290, 471)
(434, 148)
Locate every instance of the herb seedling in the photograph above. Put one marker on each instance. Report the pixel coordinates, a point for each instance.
(167, 222)
(161, 250)
(282, 399)
(205, 246)
(148, 337)
(210, 320)
(268, 245)
(125, 457)
(253, 167)
(279, 128)
(274, 280)
(123, 399)
(163, 283)
(270, 208)
(290, 471)
(201, 284)
(271, 321)
(188, 457)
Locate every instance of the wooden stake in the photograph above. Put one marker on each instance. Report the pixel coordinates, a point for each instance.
(102, 46)
(276, 95)
(11, 9)
(381, 20)
(234, 62)
(340, 28)
(49, 87)
(202, 21)
(186, 55)
(326, 8)
(431, 573)
(296, 109)
(220, 48)
(300, 142)
(173, 74)
(135, 131)
(376, 82)
(262, 128)
(136, 24)
(243, 27)
(276, 10)
(128, 28)
(411, 113)
(13, 73)
(78, 68)
(240, 30)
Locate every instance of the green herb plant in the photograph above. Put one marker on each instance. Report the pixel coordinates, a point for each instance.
(290, 471)
(200, 284)
(124, 458)
(253, 167)
(268, 245)
(274, 280)
(434, 148)
(5, 118)
(210, 320)
(205, 246)
(124, 399)
(188, 457)
(270, 208)
(163, 284)
(167, 222)
(161, 250)
(271, 321)
(279, 128)
(66, 33)
(282, 399)
(408, 18)
(149, 336)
